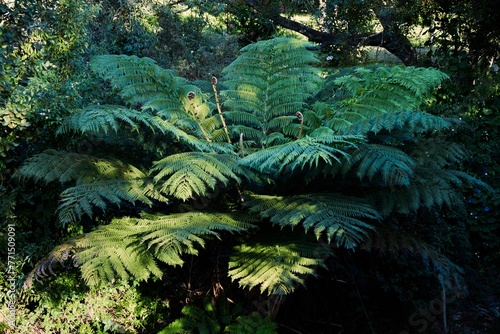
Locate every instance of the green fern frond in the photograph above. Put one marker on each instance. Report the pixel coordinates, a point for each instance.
(429, 187)
(99, 182)
(369, 92)
(195, 320)
(416, 122)
(392, 164)
(437, 153)
(195, 173)
(277, 267)
(59, 165)
(343, 219)
(65, 166)
(129, 246)
(252, 324)
(83, 198)
(142, 81)
(139, 80)
(104, 118)
(114, 251)
(270, 79)
(168, 237)
(301, 153)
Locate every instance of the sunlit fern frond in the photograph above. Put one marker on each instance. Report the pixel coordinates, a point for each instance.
(278, 266)
(343, 219)
(98, 182)
(103, 118)
(65, 166)
(387, 89)
(299, 154)
(138, 80)
(270, 79)
(113, 252)
(170, 236)
(129, 247)
(185, 175)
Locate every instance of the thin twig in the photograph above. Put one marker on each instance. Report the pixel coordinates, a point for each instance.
(214, 83)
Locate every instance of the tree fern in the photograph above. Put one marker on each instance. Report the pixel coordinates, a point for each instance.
(361, 134)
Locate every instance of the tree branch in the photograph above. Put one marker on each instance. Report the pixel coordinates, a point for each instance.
(391, 38)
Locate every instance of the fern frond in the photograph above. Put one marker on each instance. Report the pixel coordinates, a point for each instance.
(252, 324)
(95, 119)
(114, 251)
(129, 245)
(99, 182)
(301, 153)
(168, 237)
(343, 219)
(415, 122)
(277, 267)
(195, 173)
(429, 187)
(271, 79)
(138, 80)
(63, 166)
(83, 198)
(195, 320)
(437, 153)
(368, 92)
(392, 164)
(61, 254)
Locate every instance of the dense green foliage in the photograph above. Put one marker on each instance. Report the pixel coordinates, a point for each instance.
(194, 188)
